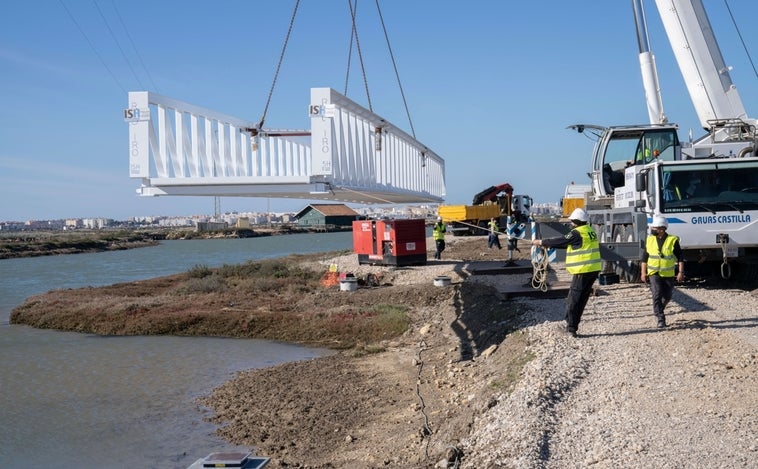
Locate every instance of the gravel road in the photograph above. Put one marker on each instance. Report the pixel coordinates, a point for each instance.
(625, 394)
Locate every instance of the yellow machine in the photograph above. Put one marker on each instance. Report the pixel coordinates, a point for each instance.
(575, 197)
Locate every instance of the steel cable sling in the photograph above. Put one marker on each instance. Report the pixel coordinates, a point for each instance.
(276, 73)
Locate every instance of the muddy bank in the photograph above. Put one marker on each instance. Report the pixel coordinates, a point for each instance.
(50, 243)
(458, 376)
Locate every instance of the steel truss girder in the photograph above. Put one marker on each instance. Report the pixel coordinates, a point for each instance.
(177, 148)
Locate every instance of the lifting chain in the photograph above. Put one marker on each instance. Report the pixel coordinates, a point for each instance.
(360, 54)
(742, 40)
(353, 4)
(278, 66)
(394, 65)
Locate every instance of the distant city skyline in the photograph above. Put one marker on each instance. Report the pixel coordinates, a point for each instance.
(380, 210)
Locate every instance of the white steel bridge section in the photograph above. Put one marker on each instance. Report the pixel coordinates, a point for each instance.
(350, 154)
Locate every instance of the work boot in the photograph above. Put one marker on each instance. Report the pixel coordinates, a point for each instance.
(661, 323)
(564, 328)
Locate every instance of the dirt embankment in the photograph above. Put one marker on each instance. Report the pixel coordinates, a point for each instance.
(469, 379)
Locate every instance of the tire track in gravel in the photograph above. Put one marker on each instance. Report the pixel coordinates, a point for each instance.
(625, 394)
(655, 398)
(732, 309)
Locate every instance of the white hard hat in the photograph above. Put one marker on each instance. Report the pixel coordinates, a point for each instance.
(580, 215)
(439, 218)
(659, 222)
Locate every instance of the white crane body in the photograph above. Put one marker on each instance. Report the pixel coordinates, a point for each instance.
(708, 188)
(699, 58)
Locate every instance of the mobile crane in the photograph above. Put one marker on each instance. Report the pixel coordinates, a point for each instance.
(707, 189)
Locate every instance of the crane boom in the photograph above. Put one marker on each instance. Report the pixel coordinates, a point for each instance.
(647, 67)
(699, 58)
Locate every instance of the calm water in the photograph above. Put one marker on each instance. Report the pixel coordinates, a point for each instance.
(78, 400)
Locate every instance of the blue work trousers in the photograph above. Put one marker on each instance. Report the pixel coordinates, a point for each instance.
(493, 240)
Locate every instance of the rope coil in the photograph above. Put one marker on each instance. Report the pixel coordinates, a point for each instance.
(540, 268)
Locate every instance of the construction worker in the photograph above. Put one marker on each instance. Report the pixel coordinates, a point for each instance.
(643, 156)
(493, 239)
(582, 261)
(438, 232)
(661, 256)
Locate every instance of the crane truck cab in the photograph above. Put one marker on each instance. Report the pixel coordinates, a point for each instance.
(710, 201)
(707, 189)
(621, 152)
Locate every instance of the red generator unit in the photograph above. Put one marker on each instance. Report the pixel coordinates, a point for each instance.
(390, 242)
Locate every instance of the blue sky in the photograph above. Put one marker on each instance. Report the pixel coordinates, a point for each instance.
(490, 86)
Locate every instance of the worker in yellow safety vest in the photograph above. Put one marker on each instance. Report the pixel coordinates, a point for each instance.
(662, 255)
(583, 263)
(438, 233)
(493, 239)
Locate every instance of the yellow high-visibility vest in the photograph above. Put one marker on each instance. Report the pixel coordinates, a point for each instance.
(439, 231)
(661, 262)
(587, 257)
